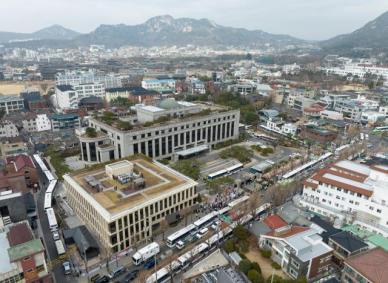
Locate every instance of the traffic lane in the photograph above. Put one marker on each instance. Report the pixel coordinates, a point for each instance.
(51, 251)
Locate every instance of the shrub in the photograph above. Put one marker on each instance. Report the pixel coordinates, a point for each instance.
(245, 266)
(240, 232)
(229, 246)
(256, 266)
(275, 265)
(265, 253)
(255, 276)
(91, 132)
(275, 279)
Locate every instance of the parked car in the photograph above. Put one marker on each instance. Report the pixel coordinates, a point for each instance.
(95, 277)
(129, 277)
(150, 263)
(201, 233)
(116, 272)
(66, 267)
(55, 235)
(103, 279)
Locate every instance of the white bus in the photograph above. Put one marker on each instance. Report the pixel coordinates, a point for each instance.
(51, 186)
(40, 162)
(217, 174)
(60, 248)
(238, 201)
(179, 235)
(160, 276)
(146, 253)
(49, 176)
(52, 220)
(206, 220)
(47, 201)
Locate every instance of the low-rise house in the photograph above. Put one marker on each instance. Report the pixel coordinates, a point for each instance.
(317, 134)
(278, 125)
(12, 146)
(22, 257)
(300, 251)
(369, 267)
(23, 164)
(345, 244)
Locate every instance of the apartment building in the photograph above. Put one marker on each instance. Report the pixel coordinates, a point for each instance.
(368, 267)
(122, 203)
(69, 97)
(162, 85)
(300, 251)
(8, 129)
(359, 70)
(168, 130)
(349, 192)
(11, 103)
(36, 122)
(61, 122)
(22, 256)
(87, 77)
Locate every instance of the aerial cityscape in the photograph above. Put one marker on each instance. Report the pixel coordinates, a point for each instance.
(194, 141)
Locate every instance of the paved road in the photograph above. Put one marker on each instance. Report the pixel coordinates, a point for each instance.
(46, 234)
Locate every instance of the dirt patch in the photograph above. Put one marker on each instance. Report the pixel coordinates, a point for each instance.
(265, 264)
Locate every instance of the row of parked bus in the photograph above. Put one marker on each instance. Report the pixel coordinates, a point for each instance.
(177, 239)
(184, 261)
(52, 220)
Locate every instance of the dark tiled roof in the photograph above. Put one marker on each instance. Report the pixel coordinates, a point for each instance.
(64, 87)
(82, 237)
(348, 241)
(329, 229)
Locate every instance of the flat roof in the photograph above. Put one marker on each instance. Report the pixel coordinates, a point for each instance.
(193, 150)
(115, 197)
(5, 264)
(25, 249)
(151, 108)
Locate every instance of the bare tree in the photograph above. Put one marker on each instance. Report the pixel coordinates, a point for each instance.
(163, 226)
(253, 202)
(185, 212)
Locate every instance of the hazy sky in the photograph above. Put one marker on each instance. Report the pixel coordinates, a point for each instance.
(308, 19)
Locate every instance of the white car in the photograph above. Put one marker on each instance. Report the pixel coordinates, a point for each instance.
(66, 267)
(55, 235)
(201, 233)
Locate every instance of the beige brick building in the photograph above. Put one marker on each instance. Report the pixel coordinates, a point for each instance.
(123, 202)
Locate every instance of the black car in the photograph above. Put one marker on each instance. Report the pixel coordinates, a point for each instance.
(129, 277)
(103, 279)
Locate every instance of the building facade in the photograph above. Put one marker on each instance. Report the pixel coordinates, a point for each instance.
(351, 193)
(124, 202)
(65, 121)
(69, 97)
(11, 103)
(159, 140)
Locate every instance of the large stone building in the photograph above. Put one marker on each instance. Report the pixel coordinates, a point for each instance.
(350, 192)
(123, 202)
(168, 130)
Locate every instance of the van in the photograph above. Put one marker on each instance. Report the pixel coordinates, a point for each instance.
(201, 233)
(180, 245)
(116, 272)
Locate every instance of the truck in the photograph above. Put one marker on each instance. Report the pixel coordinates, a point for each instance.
(60, 247)
(146, 253)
